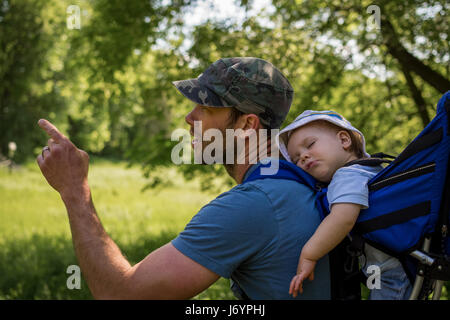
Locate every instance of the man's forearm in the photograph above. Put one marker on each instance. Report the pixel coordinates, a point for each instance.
(101, 261)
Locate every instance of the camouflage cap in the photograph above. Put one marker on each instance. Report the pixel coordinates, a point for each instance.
(251, 85)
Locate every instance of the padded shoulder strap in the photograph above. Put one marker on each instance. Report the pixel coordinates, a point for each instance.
(286, 170)
(290, 171)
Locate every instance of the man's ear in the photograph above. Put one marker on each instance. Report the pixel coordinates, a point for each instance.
(248, 121)
(252, 122)
(345, 139)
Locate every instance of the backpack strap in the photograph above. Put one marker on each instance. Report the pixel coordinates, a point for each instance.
(382, 155)
(289, 171)
(375, 159)
(286, 170)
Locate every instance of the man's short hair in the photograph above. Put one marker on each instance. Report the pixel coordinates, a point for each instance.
(235, 114)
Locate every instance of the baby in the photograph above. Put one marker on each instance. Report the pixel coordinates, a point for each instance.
(322, 143)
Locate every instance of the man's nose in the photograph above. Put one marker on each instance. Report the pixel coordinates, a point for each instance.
(190, 117)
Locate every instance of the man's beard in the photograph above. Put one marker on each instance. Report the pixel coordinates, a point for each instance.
(209, 150)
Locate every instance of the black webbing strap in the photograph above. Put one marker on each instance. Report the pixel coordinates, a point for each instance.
(393, 218)
(382, 155)
(402, 176)
(420, 144)
(345, 279)
(375, 159)
(371, 162)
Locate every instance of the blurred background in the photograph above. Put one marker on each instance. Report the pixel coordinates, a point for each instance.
(101, 71)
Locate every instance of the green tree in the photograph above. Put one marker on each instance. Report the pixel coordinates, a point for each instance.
(29, 74)
(88, 80)
(407, 39)
(337, 57)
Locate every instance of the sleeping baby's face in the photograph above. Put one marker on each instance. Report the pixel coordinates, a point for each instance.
(319, 149)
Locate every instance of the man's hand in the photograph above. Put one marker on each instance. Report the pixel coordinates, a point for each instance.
(63, 165)
(305, 270)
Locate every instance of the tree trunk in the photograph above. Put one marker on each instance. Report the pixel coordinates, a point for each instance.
(417, 97)
(408, 61)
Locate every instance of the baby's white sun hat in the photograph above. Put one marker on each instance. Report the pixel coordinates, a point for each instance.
(309, 116)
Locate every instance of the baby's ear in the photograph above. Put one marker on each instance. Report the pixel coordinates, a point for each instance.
(345, 139)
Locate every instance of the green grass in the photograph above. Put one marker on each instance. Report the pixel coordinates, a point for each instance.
(35, 241)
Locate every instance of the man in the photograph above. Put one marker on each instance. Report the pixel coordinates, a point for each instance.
(252, 234)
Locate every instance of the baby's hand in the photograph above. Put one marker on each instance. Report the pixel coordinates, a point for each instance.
(305, 270)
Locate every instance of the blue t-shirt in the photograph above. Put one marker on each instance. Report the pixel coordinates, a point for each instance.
(254, 234)
(350, 185)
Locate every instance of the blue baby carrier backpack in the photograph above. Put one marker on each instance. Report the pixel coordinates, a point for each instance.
(408, 215)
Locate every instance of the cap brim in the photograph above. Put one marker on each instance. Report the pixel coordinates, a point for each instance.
(198, 93)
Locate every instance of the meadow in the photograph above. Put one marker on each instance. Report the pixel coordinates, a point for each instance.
(35, 241)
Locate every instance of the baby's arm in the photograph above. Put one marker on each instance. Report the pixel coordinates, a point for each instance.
(328, 235)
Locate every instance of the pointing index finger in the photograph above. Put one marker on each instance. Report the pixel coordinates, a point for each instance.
(51, 130)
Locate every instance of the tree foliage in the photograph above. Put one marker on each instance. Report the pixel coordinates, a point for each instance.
(108, 84)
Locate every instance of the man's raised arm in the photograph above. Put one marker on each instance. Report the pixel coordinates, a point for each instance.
(164, 274)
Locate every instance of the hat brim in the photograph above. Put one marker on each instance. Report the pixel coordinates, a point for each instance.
(199, 93)
(282, 137)
(281, 141)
